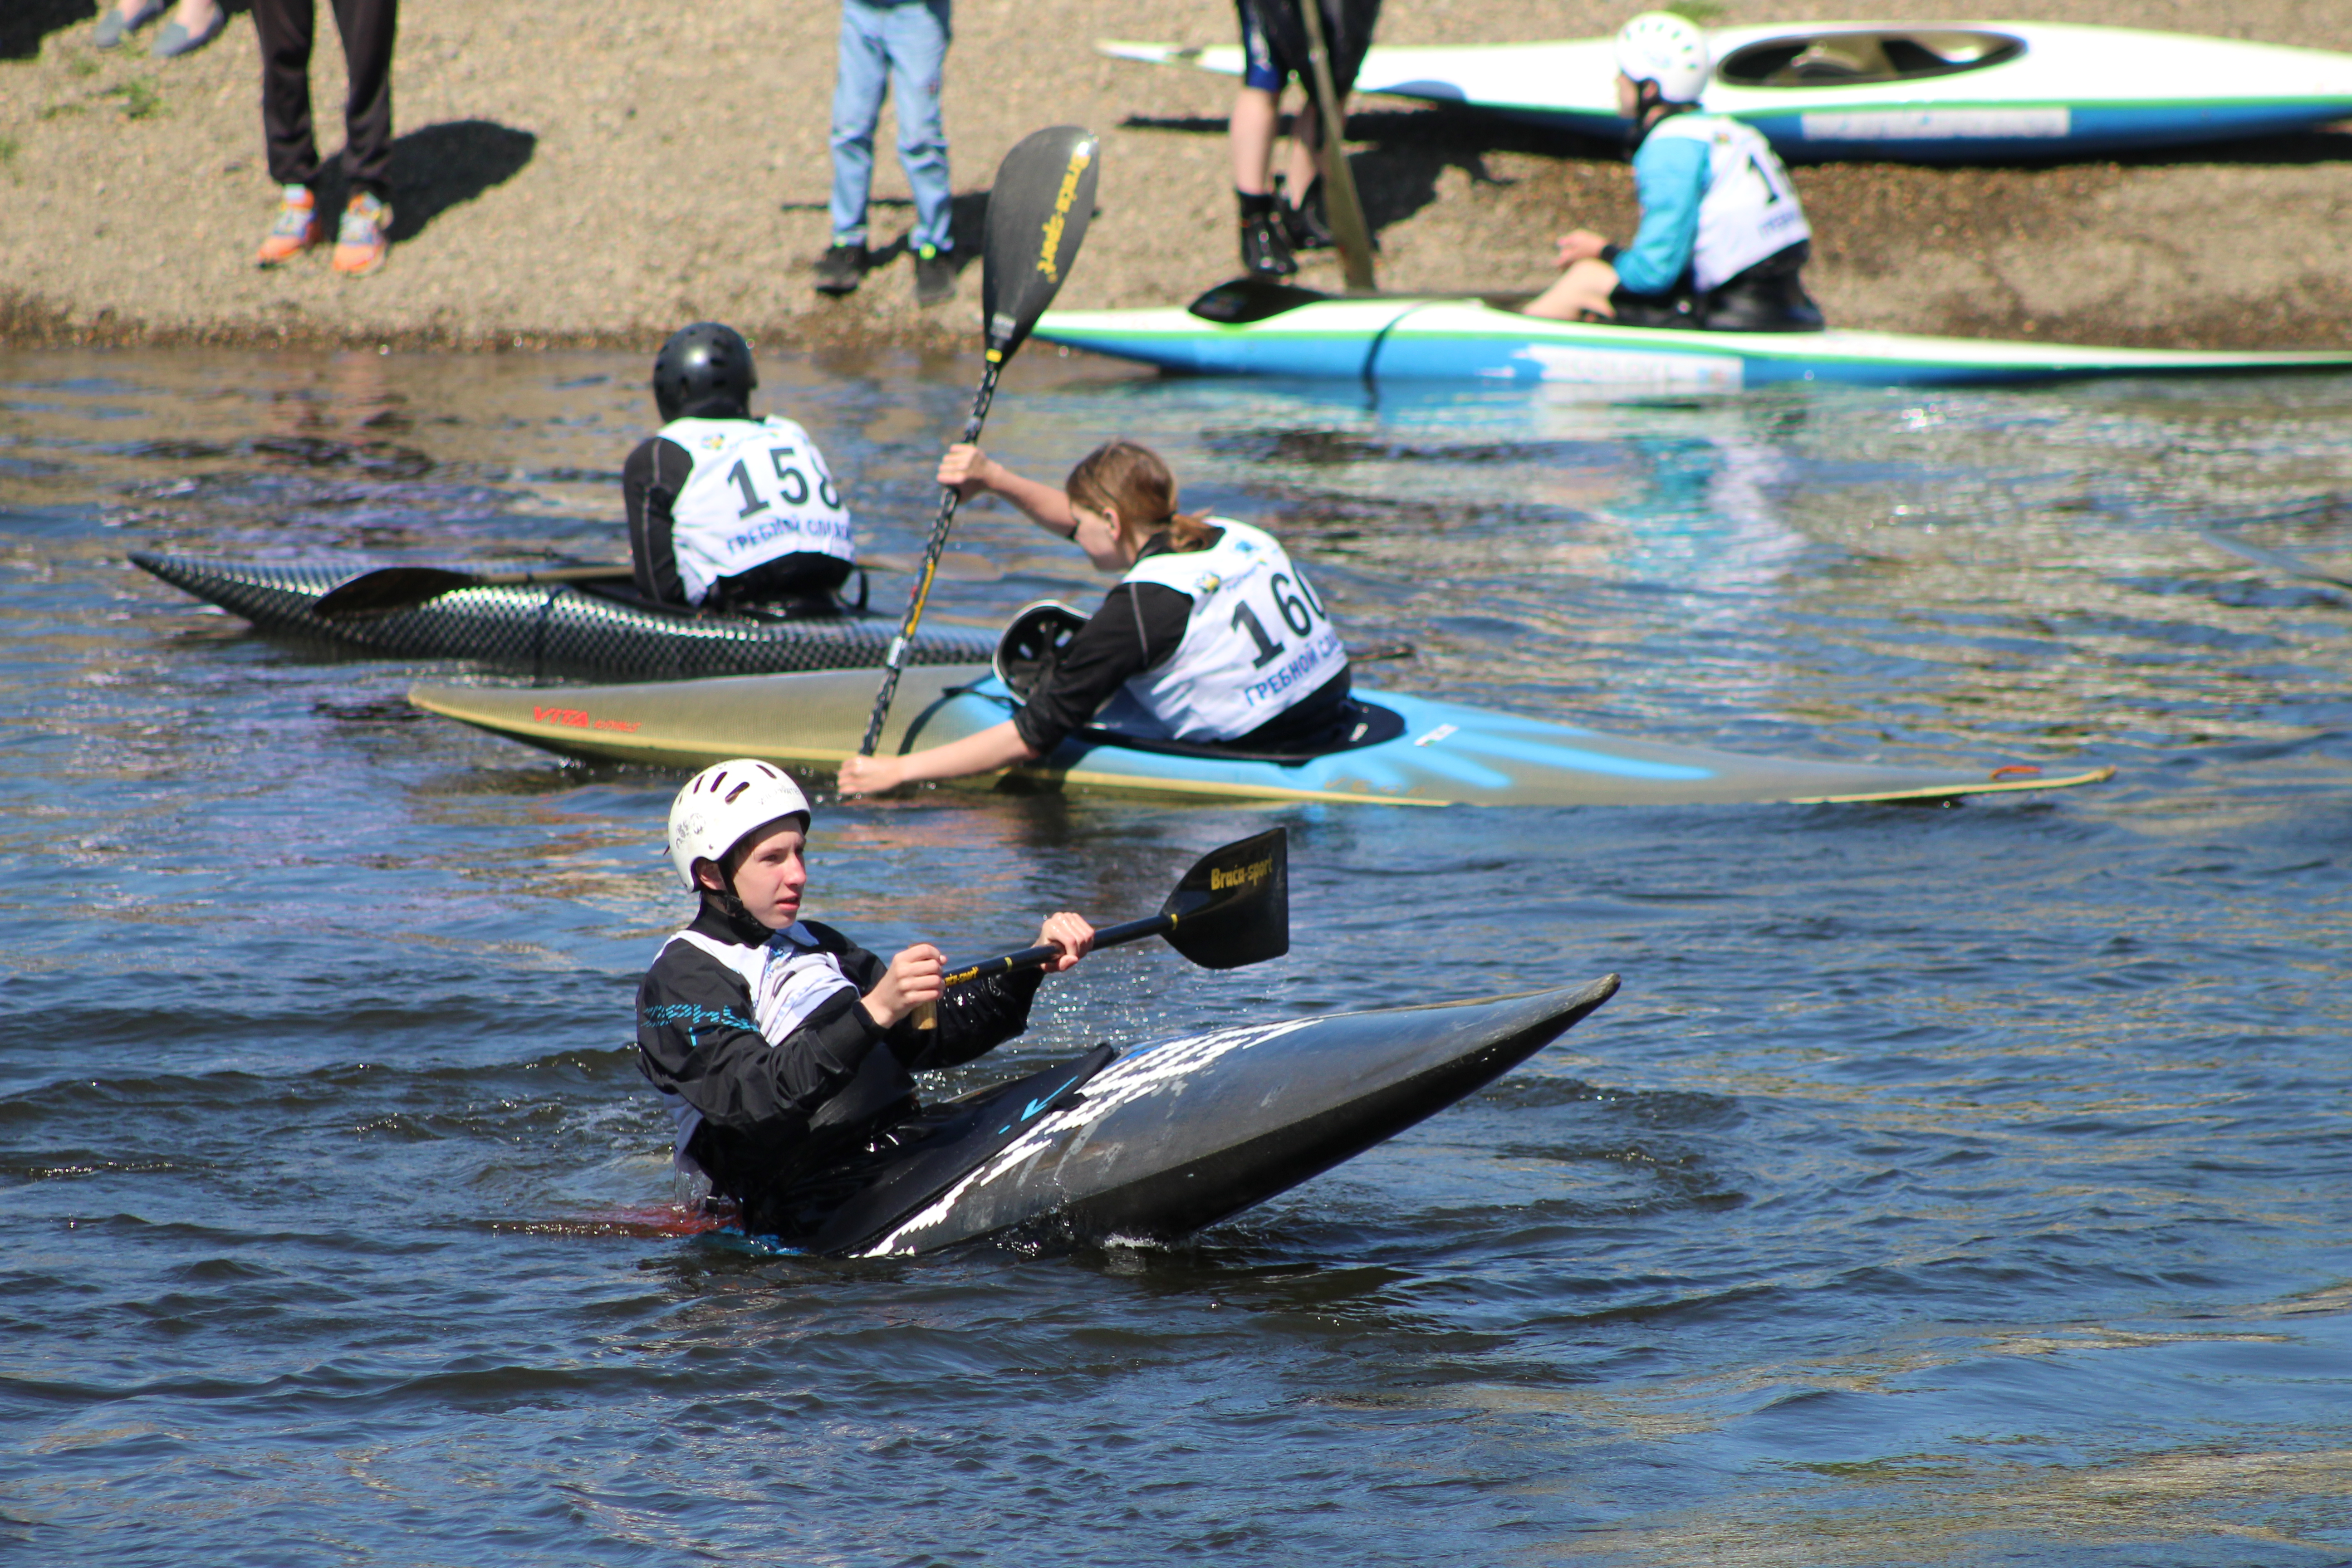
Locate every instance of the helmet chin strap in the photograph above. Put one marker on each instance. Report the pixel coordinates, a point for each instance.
(730, 906)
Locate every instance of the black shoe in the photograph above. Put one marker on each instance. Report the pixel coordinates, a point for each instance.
(841, 269)
(1265, 250)
(935, 276)
(1307, 225)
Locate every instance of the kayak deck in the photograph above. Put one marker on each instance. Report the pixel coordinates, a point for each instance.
(1417, 338)
(549, 629)
(1447, 753)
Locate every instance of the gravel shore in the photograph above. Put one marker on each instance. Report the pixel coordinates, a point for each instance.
(571, 172)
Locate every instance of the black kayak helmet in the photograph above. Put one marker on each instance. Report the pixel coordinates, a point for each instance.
(701, 364)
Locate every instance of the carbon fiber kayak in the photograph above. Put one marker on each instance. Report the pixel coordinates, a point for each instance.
(1408, 338)
(1180, 1133)
(1413, 750)
(574, 630)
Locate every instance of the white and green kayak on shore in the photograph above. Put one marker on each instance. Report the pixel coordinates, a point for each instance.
(1410, 750)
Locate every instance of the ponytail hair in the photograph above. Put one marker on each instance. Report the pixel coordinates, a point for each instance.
(1130, 479)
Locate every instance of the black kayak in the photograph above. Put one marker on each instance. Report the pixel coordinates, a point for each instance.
(1181, 1133)
(603, 630)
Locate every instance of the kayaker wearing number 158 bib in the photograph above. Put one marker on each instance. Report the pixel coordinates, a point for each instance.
(725, 509)
(1722, 240)
(1214, 635)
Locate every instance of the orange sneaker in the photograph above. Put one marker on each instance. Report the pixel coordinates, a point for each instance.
(298, 229)
(363, 242)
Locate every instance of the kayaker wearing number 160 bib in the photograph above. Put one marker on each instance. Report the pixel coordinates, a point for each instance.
(1214, 637)
(725, 509)
(1722, 240)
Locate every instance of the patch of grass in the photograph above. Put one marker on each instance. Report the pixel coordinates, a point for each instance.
(56, 111)
(1703, 12)
(141, 99)
(82, 65)
(8, 148)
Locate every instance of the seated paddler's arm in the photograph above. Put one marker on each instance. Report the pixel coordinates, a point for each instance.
(998, 746)
(969, 471)
(1670, 175)
(976, 1017)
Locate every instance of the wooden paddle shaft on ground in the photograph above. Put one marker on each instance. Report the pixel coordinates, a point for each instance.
(1347, 225)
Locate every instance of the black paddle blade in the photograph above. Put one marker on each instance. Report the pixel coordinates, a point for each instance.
(1037, 215)
(1232, 908)
(1252, 296)
(390, 588)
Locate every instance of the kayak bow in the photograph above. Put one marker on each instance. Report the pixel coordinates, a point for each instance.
(1182, 1133)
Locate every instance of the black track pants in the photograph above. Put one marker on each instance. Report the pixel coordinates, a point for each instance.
(286, 28)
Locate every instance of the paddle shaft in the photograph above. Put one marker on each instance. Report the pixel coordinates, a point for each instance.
(896, 659)
(1038, 957)
(1347, 225)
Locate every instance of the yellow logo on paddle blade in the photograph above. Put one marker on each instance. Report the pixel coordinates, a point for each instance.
(1062, 200)
(1240, 876)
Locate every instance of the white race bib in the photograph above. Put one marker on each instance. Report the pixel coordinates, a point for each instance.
(1750, 211)
(1257, 644)
(759, 489)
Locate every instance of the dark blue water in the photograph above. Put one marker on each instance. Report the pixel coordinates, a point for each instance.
(1963, 1185)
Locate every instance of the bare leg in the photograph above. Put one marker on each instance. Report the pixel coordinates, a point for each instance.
(1305, 137)
(1249, 134)
(1584, 288)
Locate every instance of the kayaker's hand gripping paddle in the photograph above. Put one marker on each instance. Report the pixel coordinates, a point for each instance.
(1232, 909)
(1037, 215)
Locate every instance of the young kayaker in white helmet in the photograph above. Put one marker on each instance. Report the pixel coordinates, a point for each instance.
(724, 509)
(1213, 636)
(1722, 240)
(784, 1049)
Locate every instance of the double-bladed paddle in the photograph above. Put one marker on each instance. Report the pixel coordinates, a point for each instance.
(1037, 215)
(1232, 909)
(388, 588)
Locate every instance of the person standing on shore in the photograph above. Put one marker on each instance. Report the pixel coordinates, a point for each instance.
(363, 240)
(900, 45)
(1271, 229)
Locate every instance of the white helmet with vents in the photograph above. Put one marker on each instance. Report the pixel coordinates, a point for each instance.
(1670, 50)
(721, 803)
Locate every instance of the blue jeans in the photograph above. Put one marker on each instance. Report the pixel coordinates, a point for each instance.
(903, 46)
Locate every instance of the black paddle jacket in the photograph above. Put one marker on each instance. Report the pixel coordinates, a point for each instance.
(774, 1112)
(1136, 629)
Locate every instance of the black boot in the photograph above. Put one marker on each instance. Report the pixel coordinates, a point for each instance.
(1266, 251)
(1307, 225)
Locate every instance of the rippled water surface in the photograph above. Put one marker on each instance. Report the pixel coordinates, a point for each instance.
(1961, 1186)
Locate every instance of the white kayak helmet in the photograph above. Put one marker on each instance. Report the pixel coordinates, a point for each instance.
(1667, 50)
(721, 803)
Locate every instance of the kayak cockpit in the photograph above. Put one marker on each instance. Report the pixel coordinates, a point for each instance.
(1838, 58)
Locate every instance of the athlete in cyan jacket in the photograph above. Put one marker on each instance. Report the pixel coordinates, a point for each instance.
(1722, 239)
